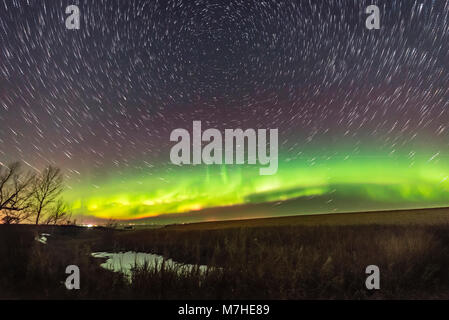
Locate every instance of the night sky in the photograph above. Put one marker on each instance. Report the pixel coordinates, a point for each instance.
(362, 114)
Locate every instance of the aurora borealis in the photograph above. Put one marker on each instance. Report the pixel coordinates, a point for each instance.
(393, 180)
(362, 114)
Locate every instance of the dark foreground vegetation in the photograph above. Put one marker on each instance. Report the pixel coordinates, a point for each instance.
(284, 261)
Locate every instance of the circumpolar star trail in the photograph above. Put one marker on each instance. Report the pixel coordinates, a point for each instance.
(362, 114)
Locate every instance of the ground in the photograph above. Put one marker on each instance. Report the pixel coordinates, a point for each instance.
(300, 257)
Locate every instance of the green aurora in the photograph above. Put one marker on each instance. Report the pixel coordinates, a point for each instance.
(405, 180)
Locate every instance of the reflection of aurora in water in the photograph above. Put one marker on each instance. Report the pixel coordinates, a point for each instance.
(378, 181)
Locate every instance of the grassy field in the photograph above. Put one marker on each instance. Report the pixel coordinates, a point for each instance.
(433, 216)
(301, 257)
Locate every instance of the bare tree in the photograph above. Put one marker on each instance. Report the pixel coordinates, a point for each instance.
(111, 224)
(15, 190)
(47, 187)
(60, 212)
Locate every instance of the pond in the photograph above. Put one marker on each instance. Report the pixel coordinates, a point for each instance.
(124, 262)
(42, 238)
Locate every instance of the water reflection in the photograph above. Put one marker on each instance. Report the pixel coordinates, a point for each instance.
(124, 262)
(42, 238)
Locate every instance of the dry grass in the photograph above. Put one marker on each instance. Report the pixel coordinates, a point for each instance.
(296, 261)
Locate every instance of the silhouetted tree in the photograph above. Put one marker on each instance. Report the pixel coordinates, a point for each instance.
(59, 213)
(47, 187)
(15, 191)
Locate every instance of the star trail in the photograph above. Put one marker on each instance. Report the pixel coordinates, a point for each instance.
(362, 114)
